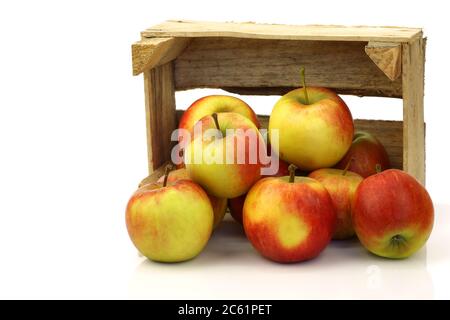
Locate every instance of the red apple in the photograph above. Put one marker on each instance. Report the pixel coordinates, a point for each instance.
(236, 204)
(366, 152)
(341, 185)
(314, 126)
(226, 165)
(170, 223)
(289, 219)
(219, 204)
(392, 214)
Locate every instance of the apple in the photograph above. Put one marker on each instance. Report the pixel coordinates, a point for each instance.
(170, 223)
(289, 219)
(341, 185)
(392, 214)
(237, 204)
(214, 104)
(228, 164)
(219, 204)
(366, 152)
(315, 127)
(207, 106)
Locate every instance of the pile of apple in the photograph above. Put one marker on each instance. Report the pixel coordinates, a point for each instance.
(332, 183)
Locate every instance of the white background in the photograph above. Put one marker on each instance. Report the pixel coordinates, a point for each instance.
(72, 150)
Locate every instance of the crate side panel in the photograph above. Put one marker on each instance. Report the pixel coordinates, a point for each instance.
(255, 66)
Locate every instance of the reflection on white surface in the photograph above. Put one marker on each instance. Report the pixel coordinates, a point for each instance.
(101, 262)
(230, 268)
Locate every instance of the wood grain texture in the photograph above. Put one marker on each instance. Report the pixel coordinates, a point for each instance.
(387, 56)
(413, 112)
(149, 53)
(160, 113)
(390, 134)
(277, 31)
(272, 67)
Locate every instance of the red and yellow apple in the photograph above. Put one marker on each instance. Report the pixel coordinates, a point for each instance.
(226, 165)
(341, 185)
(170, 223)
(214, 104)
(315, 128)
(237, 204)
(207, 106)
(289, 219)
(366, 152)
(219, 204)
(392, 214)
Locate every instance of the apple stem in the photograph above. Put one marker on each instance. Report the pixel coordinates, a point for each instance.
(378, 168)
(292, 168)
(216, 121)
(303, 78)
(347, 166)
(169, 168)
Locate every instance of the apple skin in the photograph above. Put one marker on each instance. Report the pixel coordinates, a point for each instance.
(172, 223)
(366, 152)
(289, 222)
(215, 104)
(312, 136)
(392, 214)
(225, 180)
(219, 204)
(237, 204)
(342, 190)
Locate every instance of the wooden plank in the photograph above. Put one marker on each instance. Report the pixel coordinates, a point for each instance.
(160, 113)
(149, 53)
(387, 56)
(279, 91)
(413, 113)
(277, 31)
(272, 67)
(390, 134)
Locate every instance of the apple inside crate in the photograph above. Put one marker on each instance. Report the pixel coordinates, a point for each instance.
(264, 59)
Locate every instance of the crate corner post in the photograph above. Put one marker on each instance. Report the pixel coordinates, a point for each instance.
(153, 57)
(413, 64)
(159, 113)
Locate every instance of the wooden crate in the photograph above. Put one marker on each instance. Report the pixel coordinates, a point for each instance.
(264, 59)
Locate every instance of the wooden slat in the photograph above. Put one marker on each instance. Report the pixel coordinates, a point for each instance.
(272, 67)
(387, 56)
(390, 134)
(286, 32)
(160, 113)
(413, 112)
(149, 53)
